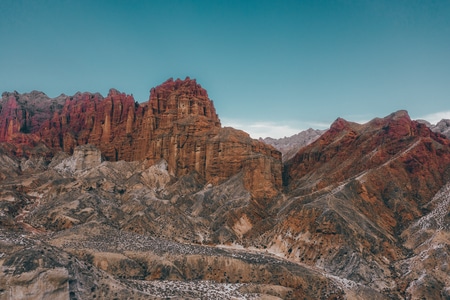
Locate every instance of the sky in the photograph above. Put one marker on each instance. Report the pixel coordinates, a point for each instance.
(272, 68)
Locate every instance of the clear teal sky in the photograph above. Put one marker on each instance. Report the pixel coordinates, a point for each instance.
(273, 68)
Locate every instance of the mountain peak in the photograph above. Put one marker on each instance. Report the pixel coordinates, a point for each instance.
(179, 99)
(399, 124)
(113, 92)
(339, 124)
(187, 86)
(399, 114)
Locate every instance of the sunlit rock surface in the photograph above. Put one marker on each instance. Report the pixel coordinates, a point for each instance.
(103, 198)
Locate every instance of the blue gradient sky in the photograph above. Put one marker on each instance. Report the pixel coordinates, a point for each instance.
(273, 68)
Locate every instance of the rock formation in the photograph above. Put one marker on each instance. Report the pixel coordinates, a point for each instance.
(105, 198)
(178, 124)
(357, 188)
(90, 229)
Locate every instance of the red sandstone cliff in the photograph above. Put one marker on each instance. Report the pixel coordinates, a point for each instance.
(178, 123)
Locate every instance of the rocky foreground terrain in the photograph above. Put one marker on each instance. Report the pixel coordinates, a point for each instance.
(105, 198)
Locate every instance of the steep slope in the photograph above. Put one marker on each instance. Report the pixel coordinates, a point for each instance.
(425, 273)
(354, 191)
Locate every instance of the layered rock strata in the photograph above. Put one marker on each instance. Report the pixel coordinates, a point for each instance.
(178, 124)
(363, 213)
(355, 191)
(86, 229)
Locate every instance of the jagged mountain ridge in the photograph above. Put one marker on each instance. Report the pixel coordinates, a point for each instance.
(289, 146)
(370, 182)
(362, 214)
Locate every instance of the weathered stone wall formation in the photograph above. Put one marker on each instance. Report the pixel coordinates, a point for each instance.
(178, 124)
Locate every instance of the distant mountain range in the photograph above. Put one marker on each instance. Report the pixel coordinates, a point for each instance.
(289, 146)
(442, 127)
(103, 198)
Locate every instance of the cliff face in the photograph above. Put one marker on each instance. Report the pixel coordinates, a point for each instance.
(21, 115)
(178, 123)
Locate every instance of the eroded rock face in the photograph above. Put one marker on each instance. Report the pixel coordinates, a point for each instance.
(356, 189)
(425, 273)
(83, 158)
(115, 229)
(138, 223)
(24, 113)
(363, 212)
(349, 149)
(179, 124)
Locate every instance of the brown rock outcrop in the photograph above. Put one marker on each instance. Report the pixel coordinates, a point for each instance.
(178, 124)
(21, 115)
